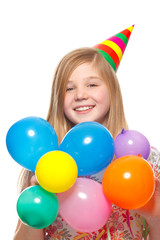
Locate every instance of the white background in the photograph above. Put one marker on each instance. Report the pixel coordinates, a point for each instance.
(35, 35)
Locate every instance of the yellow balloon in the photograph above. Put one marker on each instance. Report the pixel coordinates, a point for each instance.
(56, 171)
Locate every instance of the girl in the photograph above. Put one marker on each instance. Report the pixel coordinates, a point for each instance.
(85, 88)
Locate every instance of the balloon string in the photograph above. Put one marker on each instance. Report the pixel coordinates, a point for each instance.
(108, 232)
(100, 235)
(81, 236)
(145, 230)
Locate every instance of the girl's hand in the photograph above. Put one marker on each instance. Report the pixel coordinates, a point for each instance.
(151, 213)
(151, 210)
(33, 181)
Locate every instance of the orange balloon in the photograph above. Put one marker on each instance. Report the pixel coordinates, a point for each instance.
(129, 182)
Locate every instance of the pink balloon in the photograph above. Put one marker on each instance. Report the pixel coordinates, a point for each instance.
(84, 206)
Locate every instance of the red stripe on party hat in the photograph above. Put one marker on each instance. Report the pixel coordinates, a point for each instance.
(127, 32)
(110, 51)
(113, 48)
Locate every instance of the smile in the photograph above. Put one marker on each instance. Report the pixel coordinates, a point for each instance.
(83, 108)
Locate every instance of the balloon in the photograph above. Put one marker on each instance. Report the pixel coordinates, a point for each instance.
(56, 171)
(91, 145)
(128, 182)
(84, 206)
(131, 142)
(36, 207)
(28, 139)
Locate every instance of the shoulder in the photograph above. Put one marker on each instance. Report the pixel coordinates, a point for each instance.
(154, 156)
(154, 160)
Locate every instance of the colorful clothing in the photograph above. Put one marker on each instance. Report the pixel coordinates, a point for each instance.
(122, 225)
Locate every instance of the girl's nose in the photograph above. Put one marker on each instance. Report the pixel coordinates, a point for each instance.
(80, 94)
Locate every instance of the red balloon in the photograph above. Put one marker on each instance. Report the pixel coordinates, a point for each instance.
(129, 182)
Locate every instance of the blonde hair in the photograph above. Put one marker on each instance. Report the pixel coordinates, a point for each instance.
(115, 117)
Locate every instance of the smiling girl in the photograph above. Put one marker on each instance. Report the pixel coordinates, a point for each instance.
(85, 88)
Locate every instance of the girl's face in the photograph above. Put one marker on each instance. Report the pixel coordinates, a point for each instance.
(87, 97)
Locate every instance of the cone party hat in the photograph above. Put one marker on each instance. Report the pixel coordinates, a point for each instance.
(113, 48)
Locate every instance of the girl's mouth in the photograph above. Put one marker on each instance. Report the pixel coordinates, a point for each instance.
(82, 109)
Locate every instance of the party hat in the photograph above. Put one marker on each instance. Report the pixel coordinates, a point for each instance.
(113, 48)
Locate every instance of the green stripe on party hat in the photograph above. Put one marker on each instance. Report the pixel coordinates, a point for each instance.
(113, 48)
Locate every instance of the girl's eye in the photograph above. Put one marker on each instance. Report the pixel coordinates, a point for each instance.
(92, 85)
(69, 89)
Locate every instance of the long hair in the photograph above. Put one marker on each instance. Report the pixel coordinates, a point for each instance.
(56, 117)
(115, 117)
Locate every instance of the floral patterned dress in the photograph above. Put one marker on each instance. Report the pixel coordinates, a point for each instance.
(122, 225)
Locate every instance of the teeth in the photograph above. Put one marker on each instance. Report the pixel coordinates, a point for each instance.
(83, 108)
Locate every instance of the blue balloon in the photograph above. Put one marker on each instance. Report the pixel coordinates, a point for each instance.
(30, 138)
(91, 146)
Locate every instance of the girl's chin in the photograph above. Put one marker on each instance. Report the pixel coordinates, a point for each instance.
(84, 120)
(90, 120)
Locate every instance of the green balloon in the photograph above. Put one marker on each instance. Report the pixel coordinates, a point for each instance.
(36, 207)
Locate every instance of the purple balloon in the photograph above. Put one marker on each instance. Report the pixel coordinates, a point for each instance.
(131, 142)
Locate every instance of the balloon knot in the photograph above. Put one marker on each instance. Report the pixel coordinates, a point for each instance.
(123, 130)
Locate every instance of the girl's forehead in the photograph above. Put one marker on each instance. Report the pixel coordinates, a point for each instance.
(85, 70)
(87, 78)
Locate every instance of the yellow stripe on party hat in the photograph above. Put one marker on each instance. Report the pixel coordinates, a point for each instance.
(112, 49)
